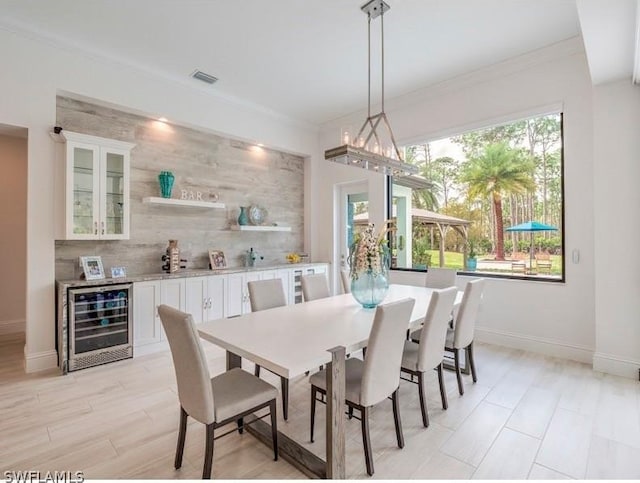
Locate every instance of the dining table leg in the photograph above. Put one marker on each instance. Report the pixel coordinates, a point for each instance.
(233, 360)
(335, 425)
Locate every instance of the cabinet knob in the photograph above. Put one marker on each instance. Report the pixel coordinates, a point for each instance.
(103, 227)
(95, 227)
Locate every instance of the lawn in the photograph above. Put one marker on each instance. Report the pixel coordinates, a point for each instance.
(454, 260)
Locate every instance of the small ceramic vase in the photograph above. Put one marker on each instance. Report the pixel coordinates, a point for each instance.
(243, 219)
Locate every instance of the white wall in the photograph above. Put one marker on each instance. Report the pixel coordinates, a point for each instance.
(617, 227)
(552, 318)
(13, 227)
(32, 73)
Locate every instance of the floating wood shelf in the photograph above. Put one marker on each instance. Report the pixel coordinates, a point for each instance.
(155, 200)
(259, 228)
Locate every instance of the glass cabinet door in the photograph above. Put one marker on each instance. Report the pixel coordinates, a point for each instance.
(114, 220)
(85, 182)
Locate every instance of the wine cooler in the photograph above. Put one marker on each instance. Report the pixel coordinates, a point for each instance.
(100, 326)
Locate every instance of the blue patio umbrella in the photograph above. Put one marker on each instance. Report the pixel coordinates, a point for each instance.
(531, 227)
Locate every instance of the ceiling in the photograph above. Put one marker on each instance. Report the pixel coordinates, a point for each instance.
(304, 59)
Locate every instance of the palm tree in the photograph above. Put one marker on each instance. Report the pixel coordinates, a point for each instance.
(498, 171)
(426, 198)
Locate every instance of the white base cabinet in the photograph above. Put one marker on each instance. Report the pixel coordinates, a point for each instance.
(208, 297)
(205, 297)
(147, 328)
(237, 296)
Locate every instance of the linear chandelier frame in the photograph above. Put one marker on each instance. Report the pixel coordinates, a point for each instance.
(358, 154)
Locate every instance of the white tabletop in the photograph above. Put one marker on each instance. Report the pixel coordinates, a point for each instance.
(293, 339)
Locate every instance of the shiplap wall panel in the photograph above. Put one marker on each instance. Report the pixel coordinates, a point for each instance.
(239, 173)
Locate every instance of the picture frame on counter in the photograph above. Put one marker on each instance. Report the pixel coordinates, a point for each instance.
(118, 272)
(92, 267)
(217, 259)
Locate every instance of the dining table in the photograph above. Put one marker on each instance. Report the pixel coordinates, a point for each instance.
(294, 339)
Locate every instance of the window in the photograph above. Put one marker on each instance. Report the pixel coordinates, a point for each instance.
(489, 201)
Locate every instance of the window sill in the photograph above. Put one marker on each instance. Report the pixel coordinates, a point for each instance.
(526, 278)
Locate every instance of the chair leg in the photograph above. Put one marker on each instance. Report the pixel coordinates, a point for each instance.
(366, 439)
(396, 418)
(284, 386)
(208, 453)
(240, 423)
(364, 352)
(182, 433)
(274, 429)
(350, 412)
(472, 362)
(314, 392)
(456, 362)
(443, 391)
(256, 371)
(423, 400)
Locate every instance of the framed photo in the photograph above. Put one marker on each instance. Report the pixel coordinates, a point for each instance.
(217, 260)
(92, 266)
(118, 272)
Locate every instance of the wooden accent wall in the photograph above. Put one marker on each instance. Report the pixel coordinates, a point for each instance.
(241, 174)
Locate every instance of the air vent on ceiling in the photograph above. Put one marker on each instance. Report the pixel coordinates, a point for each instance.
(204, 77)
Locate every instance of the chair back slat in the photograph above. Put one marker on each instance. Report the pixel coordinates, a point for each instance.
(465, 322)
(266, 294)
(381, 373)
(434, 330)
(190, 363)
(315, 286)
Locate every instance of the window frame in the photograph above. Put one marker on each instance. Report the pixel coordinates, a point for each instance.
(506, 276)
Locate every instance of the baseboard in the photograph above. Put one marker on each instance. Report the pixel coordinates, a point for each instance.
(12, 326)
(615, 365)
(540, 345)
(40, 361)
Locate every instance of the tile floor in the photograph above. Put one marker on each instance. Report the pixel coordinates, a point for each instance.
(529, 416)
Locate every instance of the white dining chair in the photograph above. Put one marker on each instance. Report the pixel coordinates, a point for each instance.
(373, 380)
(314, 286)
(215, 402)
(461, 336)
(346, 281)
(417, 359)
(440, 278)
(265, 295)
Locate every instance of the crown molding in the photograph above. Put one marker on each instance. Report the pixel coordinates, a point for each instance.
(57, 42)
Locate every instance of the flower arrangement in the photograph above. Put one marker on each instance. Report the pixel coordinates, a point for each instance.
(293, 258)
(369, 253)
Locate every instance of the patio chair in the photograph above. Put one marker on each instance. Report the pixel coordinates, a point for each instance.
(543, 262)
(518, 267)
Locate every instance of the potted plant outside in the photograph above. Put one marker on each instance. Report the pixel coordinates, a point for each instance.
(472, 261)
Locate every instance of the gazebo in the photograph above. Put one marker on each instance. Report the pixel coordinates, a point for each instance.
(443, 223)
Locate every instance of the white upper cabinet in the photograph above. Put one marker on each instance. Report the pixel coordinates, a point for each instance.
(96, 187)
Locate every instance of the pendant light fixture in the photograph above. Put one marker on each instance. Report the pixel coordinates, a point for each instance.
(368, 149)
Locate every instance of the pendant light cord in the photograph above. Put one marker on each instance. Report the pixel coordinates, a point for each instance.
(382, 49)
(369, 65)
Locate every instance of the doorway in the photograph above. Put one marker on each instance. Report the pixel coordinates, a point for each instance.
(13, 246)
(353, 217)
